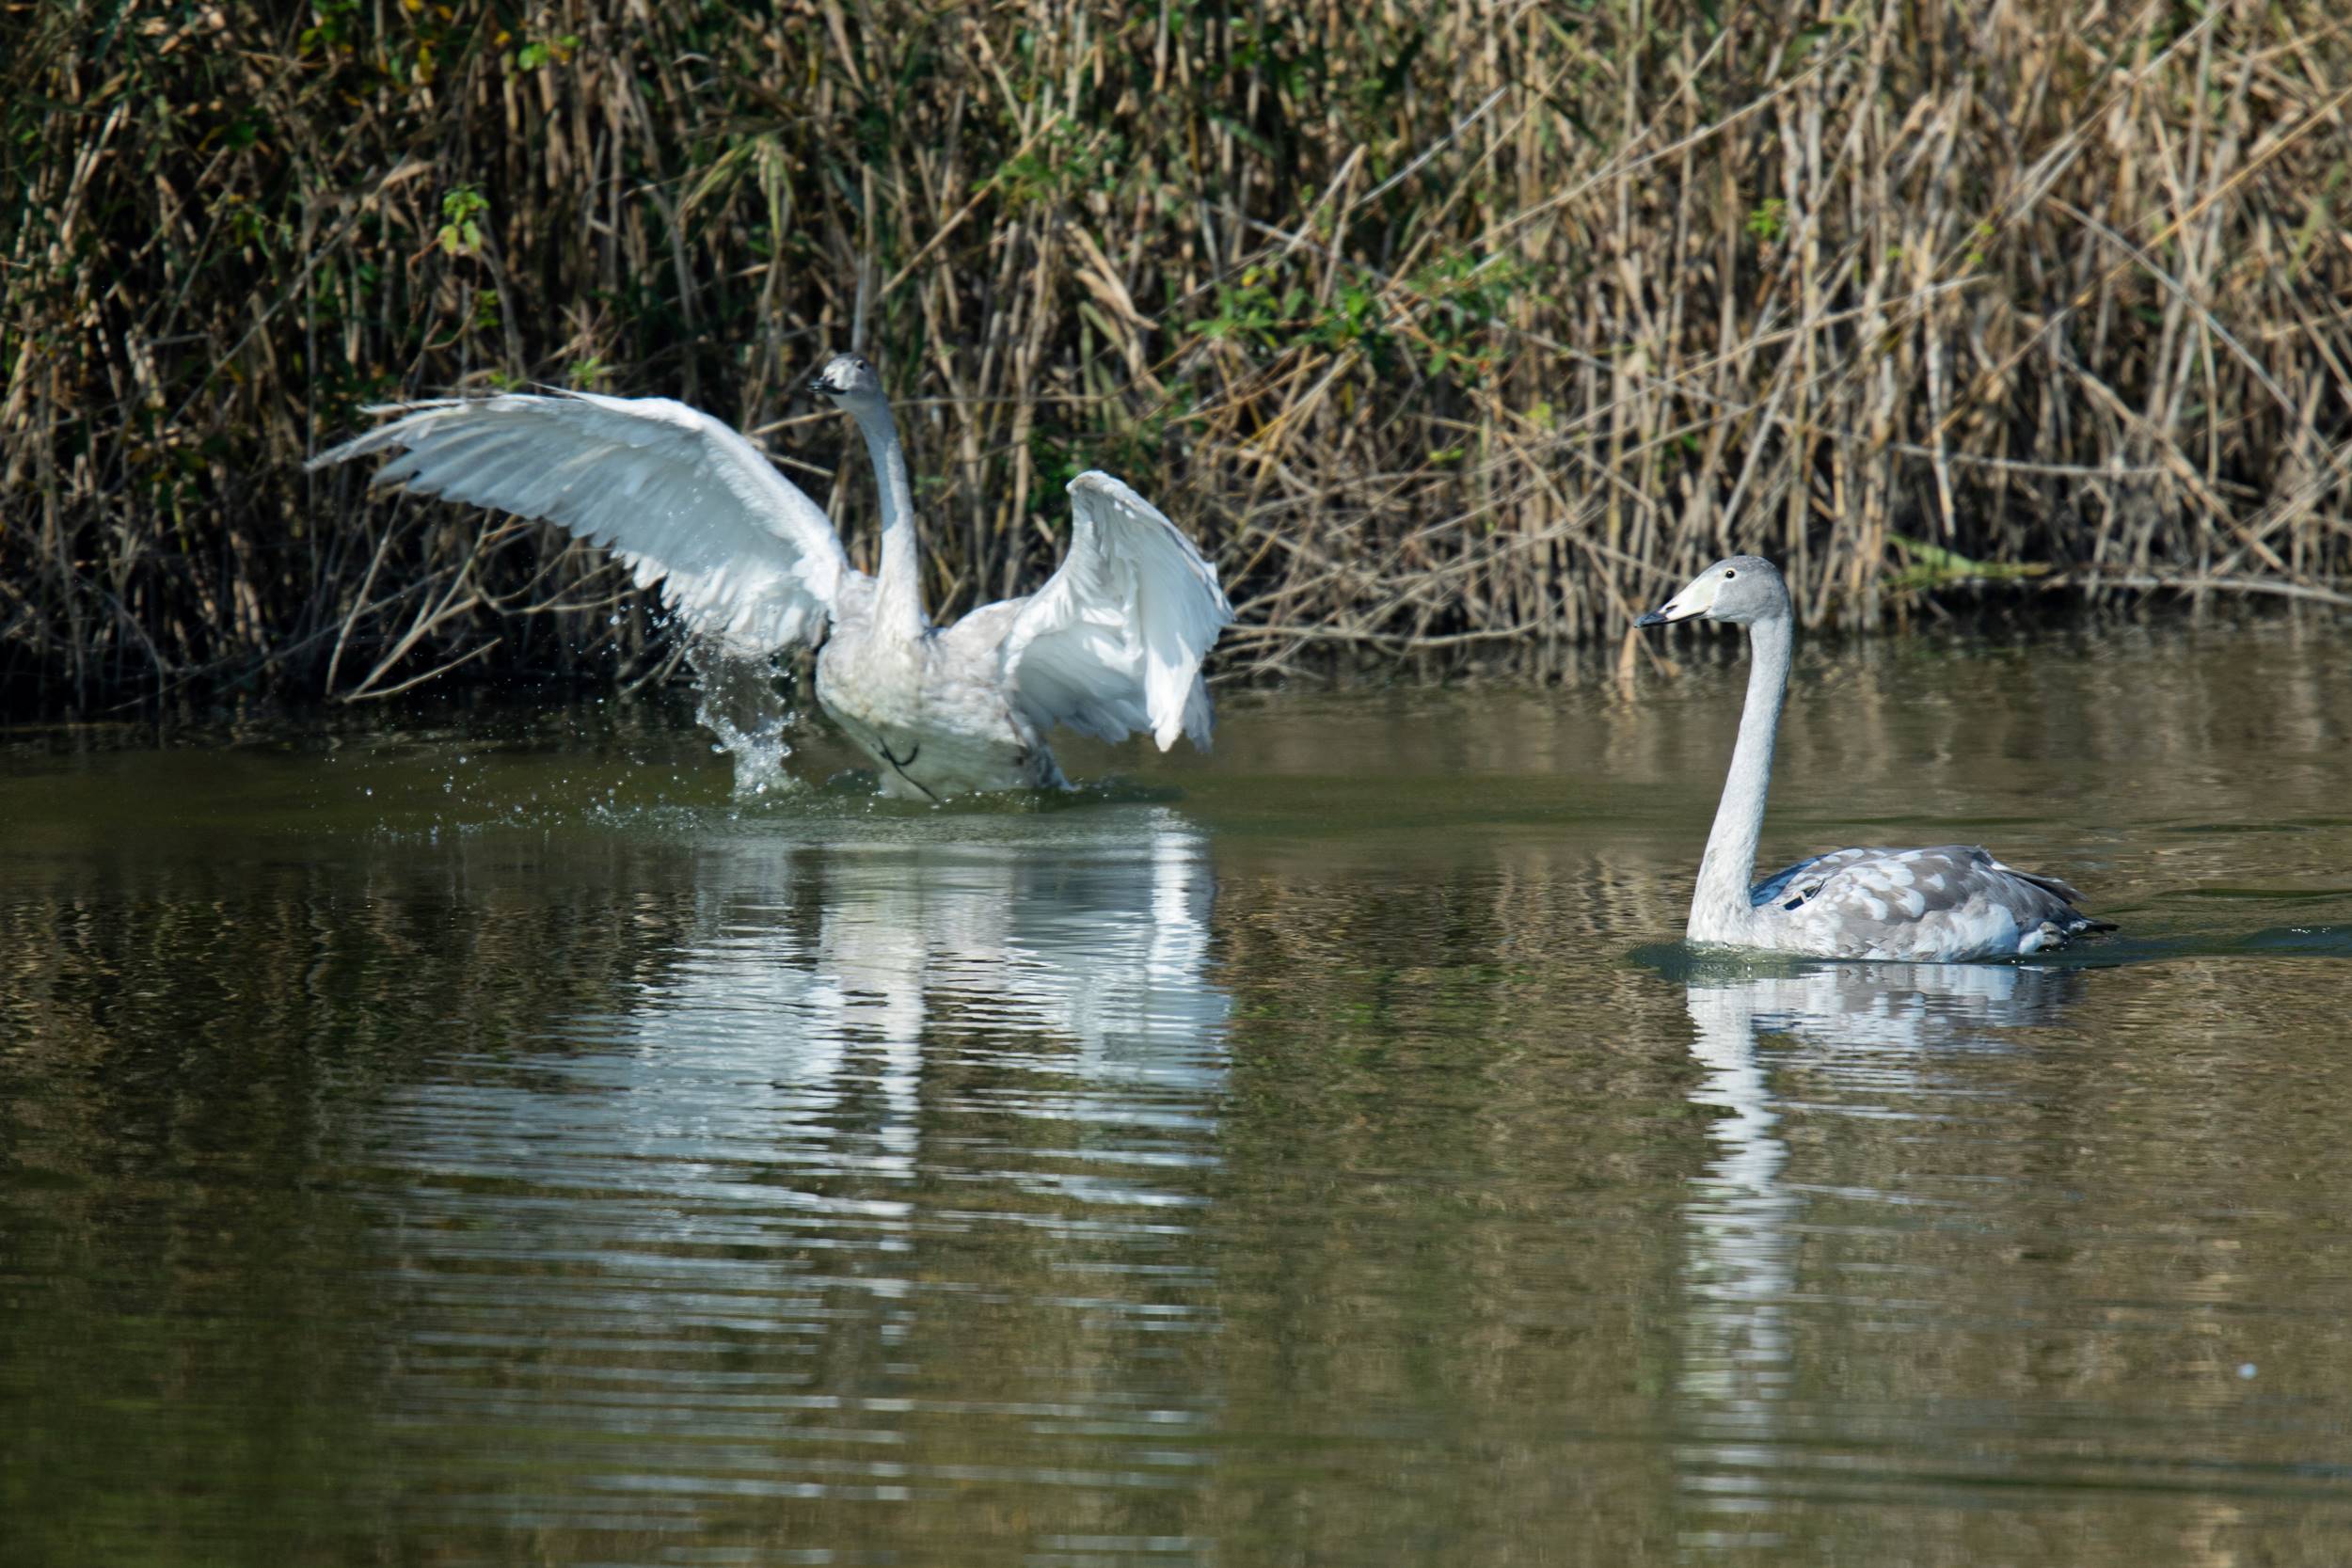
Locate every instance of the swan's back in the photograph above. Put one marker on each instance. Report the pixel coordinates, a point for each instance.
(1951, 902)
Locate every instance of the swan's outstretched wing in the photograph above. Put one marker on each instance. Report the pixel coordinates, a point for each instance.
(742, 555)
(1113, 643)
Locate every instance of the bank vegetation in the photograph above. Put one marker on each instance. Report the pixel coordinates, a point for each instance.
(1460, 331)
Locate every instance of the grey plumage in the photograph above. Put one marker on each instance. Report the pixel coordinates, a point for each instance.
(1880, 903)
(1950, 903)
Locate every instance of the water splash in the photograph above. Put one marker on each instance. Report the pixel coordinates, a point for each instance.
(740, 702)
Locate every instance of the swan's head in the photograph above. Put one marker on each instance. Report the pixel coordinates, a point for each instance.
(848, 376)
(1742, 589)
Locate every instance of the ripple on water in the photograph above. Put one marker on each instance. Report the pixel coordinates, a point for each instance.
(730, 1220)
(1816, 1066)
(495, 1141)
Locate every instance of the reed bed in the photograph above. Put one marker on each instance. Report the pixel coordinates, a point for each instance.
(1459, 330)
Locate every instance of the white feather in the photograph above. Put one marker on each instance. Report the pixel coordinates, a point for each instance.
(742, 555)
(1113, 642)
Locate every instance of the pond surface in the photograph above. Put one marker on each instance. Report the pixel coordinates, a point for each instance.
(483, 1141)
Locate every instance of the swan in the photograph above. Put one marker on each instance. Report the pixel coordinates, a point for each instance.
(1111, 645)
(1950, 904)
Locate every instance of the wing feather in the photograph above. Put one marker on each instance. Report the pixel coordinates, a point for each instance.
(1113, 642)
(1810, 870)
(741, 554)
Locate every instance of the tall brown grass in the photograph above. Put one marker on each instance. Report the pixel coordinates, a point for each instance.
(1456, 328)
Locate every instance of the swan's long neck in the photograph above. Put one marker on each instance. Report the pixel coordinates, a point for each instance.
(899, 586)
(1720, 911)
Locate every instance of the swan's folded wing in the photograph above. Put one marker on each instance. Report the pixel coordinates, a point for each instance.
(1811, 870)
(1113, 643)
(742, 555)
(1955, 899)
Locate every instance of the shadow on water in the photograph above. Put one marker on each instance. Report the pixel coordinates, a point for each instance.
(2112, 950)
(859, 783)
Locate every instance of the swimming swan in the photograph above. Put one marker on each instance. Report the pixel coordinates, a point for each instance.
(1111, 645)
(1950, 904)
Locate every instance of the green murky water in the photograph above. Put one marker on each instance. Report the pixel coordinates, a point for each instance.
(488, 1143)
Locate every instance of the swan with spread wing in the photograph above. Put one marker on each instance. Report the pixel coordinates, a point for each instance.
(1112, 643)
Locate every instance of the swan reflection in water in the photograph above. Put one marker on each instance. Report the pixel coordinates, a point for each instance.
(812, 980)
(1868, 1034)
(890, 1121)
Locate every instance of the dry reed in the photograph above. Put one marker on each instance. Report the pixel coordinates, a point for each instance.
(1457, 329)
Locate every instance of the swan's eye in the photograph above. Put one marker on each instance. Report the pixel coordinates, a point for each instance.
(1729, 574)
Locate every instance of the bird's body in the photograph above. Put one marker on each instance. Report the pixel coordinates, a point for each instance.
(931, 711)
(1952, 903)
(1110, 645)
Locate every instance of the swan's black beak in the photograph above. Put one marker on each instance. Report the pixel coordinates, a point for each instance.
(822, 386)
(1655, 618)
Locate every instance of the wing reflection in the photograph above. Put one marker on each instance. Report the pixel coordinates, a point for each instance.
(890, 1115)
(813, 981)
(1871, 1030)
